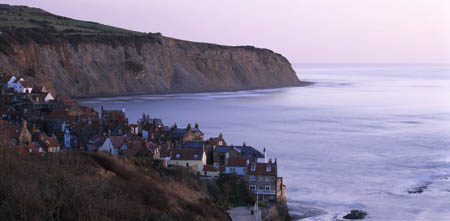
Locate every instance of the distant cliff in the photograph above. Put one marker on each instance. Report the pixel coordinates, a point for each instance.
(85, 64)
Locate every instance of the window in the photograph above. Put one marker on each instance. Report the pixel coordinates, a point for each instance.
(261, 178)
(268, 168)
(260, 187)
(220, 143)
(252, 188)
(252, 178)
(177, 156)
(195, 156)
(253, 168)
(267, 179)
(187, 164)
(267, 188)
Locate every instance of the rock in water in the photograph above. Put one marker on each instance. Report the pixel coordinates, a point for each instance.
(356, 214)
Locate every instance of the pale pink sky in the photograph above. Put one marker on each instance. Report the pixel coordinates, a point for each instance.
(305, 31)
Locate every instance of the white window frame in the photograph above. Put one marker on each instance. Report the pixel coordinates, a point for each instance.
(177, 156)
(252, 178)
(268, 168)
(268, 179)
(253, 168)
(252, 188)
(268, 188)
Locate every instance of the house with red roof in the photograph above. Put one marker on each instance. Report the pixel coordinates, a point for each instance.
(262, 179)
(51, 144)
(237, 165)
(210, 172)
(192, 158)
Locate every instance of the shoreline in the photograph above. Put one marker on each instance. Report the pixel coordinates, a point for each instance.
(301, 84)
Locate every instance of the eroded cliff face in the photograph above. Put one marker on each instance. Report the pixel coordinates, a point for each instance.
(111, 65)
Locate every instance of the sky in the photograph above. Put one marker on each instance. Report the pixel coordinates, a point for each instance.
(304, 31)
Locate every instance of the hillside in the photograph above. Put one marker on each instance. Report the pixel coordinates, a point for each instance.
(86, 59)
(93, 186)
(27, 17)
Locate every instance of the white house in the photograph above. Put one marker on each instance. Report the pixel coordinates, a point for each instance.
(49, 97)
(107, 146)
(192, 158)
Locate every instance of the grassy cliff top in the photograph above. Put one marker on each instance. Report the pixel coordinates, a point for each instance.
(28, 17)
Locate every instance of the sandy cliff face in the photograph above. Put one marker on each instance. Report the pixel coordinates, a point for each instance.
(105, 65)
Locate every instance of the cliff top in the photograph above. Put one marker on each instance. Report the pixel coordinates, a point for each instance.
(31, 18)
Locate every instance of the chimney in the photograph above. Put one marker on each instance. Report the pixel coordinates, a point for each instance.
(196, 125)
(244, 144)
(275, 160)
(189, 127)
(265, 155)
(270, 160)
(220, 135)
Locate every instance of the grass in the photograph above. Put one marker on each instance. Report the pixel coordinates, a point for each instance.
(77, 185)
(27, 17)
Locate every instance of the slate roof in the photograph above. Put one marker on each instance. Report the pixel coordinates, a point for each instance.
(178, 132)
(223, 149)
(193, 145)
(249, 152)
(209, 167)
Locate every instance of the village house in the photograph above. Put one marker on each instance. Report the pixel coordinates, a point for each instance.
(95, 142)
(222, 153)
(114, 121)
(262, 180)
(134, 129)
(114, 144)
(50, 144)
(25, 134)
(192, 158)
(9, 135)
(180, 136)
(210, 172)
(217, 141)
(237, 165)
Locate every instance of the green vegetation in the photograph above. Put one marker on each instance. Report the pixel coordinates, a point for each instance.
(27, 17)
(230, 191)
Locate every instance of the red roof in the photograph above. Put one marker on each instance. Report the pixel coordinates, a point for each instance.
(10, 131)
(262, 169)
(187, 154)
(237, 162)
(50, 142)
(209, 167)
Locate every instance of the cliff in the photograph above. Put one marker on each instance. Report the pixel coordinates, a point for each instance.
(95, 62)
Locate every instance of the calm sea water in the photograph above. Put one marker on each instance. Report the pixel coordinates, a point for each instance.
(359, 138)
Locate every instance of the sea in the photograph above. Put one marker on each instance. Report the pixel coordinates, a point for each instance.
(371, 137)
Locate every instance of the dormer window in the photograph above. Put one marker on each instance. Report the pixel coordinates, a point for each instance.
(177, 156)
(195, 156)
(253, 168)
(268, 169)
